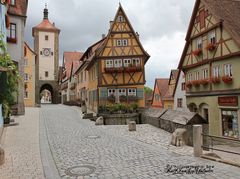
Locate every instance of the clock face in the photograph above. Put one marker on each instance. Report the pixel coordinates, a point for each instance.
(46, 51)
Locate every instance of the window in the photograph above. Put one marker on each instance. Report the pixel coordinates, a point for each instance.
(212, 37)
(179, 102)
(25, 77)
(109, 63)
(199, 43)
(205, 74)
(124, 42)
(12, 33)
(132, 92)
(13, 2)
(81, 77)
(41, 53)
(111, 92)
(157, 97)
(230, 123)
(46, 37)
(228, 70)
(118, 63)
(197, 74)
(25, 62)
(122, 92)
(85, 75)
(190, 77)
(183, 86)
(25, 94)
(216, 71)
(136, 62)
(127, 62)
(119, 42)
(120, 19)
(46, 73)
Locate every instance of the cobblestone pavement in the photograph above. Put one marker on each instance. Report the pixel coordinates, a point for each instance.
(82, 150)
(21, 145)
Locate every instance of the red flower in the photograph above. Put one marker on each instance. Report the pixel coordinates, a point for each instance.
(227, 79)
(204, 81)
(211, 47)
(215, 79)
(189, 84)
(195, 82)
(197, 52)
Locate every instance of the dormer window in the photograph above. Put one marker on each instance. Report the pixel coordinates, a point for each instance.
(120, 19)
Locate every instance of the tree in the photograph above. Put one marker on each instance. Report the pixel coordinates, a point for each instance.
(10, 79)
(147, 90)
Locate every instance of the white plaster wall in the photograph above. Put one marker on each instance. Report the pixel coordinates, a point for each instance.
(180, 94)
(46, 63)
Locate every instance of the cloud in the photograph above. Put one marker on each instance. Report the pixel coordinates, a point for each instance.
(162, 26)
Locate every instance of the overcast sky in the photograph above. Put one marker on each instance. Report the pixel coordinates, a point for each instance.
(162, 25)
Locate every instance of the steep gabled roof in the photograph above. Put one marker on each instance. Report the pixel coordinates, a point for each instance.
(174, 74)
(20, 9)
(226, 11)
(162, 84)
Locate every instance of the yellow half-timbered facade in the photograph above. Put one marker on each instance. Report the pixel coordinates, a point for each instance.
(211, 63)
(116, 73)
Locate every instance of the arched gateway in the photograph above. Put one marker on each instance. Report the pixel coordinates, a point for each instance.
(46, 46)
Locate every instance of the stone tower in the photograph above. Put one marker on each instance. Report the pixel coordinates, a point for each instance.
(46, 46)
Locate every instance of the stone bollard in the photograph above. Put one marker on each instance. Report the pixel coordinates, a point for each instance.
(2, 156)
(197, 140)
(132, 126)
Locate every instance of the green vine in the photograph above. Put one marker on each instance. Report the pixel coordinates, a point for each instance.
(8, 80)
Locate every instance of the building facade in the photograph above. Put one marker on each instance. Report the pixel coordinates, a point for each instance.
(46, 46)
(29, 76)
(180, 101)
(210, 61)
(117, 69)
(17, 11)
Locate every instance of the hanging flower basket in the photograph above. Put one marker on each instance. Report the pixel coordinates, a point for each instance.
(197, 52)
(211, 47)
(189, 84)
(196, 83)
(227, 79)
(215, 80)
(204, 81)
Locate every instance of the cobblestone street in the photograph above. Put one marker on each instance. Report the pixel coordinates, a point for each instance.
(80, 148)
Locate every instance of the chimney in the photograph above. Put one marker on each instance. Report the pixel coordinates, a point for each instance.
(103, 36)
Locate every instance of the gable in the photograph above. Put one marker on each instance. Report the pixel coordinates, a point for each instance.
(122, 39)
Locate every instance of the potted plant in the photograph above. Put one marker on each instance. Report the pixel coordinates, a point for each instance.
(204, 81)
(211, 47)
(215, 79)
(227, 79)
(111, 98)
(197, 52)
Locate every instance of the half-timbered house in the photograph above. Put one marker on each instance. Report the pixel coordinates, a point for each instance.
(211, 62)
(116, 72)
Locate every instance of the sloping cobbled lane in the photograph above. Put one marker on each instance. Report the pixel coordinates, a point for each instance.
(82, 150)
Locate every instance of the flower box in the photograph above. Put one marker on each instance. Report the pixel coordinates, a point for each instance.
(215, 80)
(123, 98)
(132, 98)
(204, 81)
(211, 47)
(133, 69)
(189, 84)
(227, 79)
(196, 83)
(197, 52)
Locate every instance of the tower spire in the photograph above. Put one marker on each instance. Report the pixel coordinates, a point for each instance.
(45, 12)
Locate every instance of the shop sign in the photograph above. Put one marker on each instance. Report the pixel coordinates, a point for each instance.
(228, 101)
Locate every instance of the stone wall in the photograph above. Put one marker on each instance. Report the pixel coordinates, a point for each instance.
(120, 119)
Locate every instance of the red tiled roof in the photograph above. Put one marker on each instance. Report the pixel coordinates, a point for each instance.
(162, 84)
(46, 25)
(71, 58)
(20, 9)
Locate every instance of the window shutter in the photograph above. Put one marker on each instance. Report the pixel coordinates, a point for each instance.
(140, 93)
(103, 93)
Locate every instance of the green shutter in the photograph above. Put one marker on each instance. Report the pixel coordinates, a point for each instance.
(140, 93)
(103, 93)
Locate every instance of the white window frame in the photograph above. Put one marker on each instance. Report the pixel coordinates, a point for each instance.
(127, 62)
(119, 42)
(26, 77)
(199, 43)
(137, 61)
(118, 63)
(124, 42)
(111, 91)
(132, 92)
(122, 91)
(228, 69)
(120, 18)
(216, 71)
(109, 63)
(204, 73)
(190, 77)
(197, 75)
(212, 37)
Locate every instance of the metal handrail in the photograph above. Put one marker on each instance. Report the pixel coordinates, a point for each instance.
(221, 150)
(225, 138)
